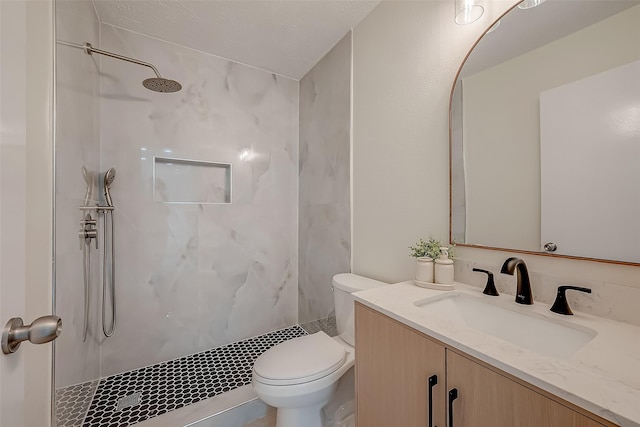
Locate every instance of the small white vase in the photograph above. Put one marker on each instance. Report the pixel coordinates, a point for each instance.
(424, 269)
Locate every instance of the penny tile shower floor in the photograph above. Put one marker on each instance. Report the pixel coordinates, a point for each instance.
(132, 397)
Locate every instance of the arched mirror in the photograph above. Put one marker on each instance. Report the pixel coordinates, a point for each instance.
(545, 133)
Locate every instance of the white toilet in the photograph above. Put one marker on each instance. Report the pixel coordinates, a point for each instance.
(299, 376)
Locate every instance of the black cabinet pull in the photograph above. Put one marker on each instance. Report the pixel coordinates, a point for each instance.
(453, 395)
(433, 380)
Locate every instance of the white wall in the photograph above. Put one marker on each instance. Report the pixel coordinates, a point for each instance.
(406, 55)
(13, 207)
(26, 87)
(502, 162)
(39, 208)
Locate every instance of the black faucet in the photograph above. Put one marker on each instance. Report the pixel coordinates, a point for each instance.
(560, 305)
(523, 290)
(490, 287)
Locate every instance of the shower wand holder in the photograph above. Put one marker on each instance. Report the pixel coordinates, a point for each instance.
(88, 231)
(97, 208)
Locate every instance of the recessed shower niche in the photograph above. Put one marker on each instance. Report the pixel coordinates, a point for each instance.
(191, 181)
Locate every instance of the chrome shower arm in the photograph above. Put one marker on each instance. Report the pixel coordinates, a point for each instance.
(89, 50)
(156, 84)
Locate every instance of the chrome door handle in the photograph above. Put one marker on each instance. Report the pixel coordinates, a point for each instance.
(42, 330)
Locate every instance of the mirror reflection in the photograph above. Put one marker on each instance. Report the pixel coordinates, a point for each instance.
(545, 141)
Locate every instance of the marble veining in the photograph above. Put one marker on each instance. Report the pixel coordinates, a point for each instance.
(193, 277)
(608, 300)
(602, 377)
(196, 276)
(324, 242)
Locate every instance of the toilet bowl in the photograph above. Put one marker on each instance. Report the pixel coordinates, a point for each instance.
(298, 377)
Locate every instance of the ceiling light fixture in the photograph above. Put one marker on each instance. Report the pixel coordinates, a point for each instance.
(468, 11)
(528, 4)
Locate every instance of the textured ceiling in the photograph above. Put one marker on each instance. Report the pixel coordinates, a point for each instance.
(285, 37)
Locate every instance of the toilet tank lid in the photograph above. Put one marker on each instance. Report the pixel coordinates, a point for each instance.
(350, 282)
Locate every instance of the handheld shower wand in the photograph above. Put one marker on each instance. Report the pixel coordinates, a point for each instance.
(109, 176)
(87, 232)
(109, 257)
(88, 179)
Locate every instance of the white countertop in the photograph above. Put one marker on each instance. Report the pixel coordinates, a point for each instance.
(602, 377)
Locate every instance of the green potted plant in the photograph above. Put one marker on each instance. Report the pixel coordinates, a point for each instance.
(425, 252)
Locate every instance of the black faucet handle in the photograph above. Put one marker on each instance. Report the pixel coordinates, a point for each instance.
(560, 305)
(490, 287)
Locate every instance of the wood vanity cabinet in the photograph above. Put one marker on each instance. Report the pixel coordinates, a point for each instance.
(393, 366)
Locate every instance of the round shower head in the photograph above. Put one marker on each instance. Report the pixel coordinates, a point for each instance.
(159, 84)
(109, 176)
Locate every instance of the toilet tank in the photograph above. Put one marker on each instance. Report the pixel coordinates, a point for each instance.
(344, 285)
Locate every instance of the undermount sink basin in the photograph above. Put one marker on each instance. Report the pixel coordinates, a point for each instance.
(533, 331)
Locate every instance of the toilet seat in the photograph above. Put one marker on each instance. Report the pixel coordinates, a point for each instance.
(300, 360)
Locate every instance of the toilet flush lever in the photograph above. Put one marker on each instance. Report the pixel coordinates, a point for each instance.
(42, 330)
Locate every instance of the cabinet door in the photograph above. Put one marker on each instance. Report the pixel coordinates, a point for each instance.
(393, 366)
(486, 398)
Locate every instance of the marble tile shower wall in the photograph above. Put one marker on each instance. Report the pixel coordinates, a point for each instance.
(324, 239)
(195, 276)
(77, 145)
